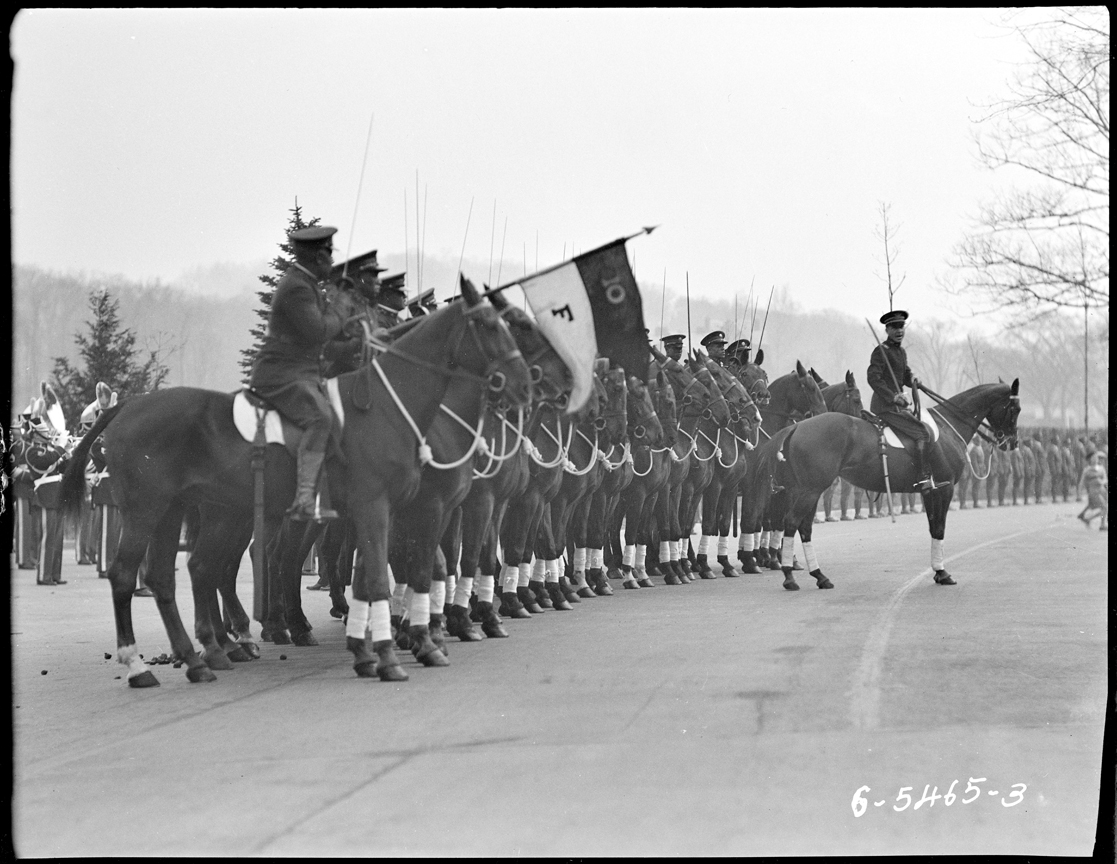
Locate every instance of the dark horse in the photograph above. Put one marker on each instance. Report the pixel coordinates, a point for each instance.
(807, 457)
(177, 448)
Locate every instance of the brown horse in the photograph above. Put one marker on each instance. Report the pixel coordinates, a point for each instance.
(807, 457)
(178, 448)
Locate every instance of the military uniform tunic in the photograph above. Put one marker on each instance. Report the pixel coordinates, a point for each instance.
(287, 370)
(890, 354)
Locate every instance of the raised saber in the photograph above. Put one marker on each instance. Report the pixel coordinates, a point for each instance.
(689, 340)
(662, 303)
(357, 203)
(764, 326)
(883, 446)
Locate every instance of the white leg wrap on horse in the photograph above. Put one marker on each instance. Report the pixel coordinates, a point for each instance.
(510, 578)
(554, 570)
(703, 544)
(421, 609)
(641, 556)
(723, 546)
(356, 625)
(539, 570)
(525, 576)
(392, 585)
(379, 620)
(462, 591)
(746, 542)
(451, 585)
(765, 536)
(937, 557)
(598, 557)
(788, 551)
(664, 550)
(812, 559)
(130, 657)
(629, 555)
(438, 596)
(580, 558)
(485, 586)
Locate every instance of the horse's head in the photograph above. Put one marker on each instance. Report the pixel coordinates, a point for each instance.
(643, 424)
(809, 398)
(1003, 415)
(743, 412)
(843, 398)
(550, 376)
(717, 408)
(666, 409)
(490, 351)
(612, 423)
(818, 379)
(755, 380)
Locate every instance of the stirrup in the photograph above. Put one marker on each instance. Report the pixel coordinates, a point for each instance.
(313, 513)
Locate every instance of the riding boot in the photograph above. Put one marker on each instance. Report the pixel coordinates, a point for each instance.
(926, 482)
(305, 508)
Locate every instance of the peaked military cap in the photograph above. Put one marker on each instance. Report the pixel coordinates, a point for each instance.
(896, 316)
(712, 338)
(319, 234)
(358, 264)
(739, 345)
(426, 298)
(672, 339)
(393, 283)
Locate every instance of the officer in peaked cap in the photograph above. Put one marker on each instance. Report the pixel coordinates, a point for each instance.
(673, 346)
(365, 272)
(714, 343)
(738, 352)
(423, 304)
(391, 301)
(888, 374)
(287, 372)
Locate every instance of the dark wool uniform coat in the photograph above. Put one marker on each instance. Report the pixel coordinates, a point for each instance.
(287, 371)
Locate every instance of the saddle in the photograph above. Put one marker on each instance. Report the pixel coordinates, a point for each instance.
(248, 405)
(899, 440)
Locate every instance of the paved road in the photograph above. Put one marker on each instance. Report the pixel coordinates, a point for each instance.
(726, 717)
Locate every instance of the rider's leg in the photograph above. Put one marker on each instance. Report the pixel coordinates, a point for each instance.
(311, 455)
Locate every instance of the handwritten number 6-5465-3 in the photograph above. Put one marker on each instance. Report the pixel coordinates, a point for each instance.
(905, 801)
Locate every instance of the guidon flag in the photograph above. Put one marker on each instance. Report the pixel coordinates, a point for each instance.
(590, 306)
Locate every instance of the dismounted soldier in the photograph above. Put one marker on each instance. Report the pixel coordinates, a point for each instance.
(1016, 460)
(28, 518)
(89, 524)
(46, 457)
(714, 343)
(1054, 456)
(1028, 458)
(888, 374)
(1068, 466)
(673, 346)
(287, 371)
(980, 470)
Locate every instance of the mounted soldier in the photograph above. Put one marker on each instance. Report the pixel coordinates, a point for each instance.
(737, 354)
(391, 301)
(362, 274)
(888, 374)
(714, 343)
(673, 346)
(424, 304)
(287, 371)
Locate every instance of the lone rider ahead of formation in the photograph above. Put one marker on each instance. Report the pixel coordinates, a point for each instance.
(888, 367)
(287, 373)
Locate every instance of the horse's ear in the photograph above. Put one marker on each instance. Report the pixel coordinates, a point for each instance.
(849, 378)
(1016, 387)
(816, 376)
(759, 357)
(498, 300)
(43, 389)
(799, 370)
(469, 292)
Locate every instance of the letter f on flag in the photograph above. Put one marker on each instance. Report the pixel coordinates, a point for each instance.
(587, 306)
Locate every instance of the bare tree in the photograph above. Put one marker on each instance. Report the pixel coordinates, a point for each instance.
(1044, 243)
(887, 235)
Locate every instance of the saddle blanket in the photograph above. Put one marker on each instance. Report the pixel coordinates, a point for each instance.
(928, 421)
(244, 416)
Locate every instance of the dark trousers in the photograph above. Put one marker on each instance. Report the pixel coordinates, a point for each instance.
(50, 550)
(89, 531)
(28, 533)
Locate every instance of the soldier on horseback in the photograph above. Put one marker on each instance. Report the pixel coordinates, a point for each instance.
(287, 372)
(714, 343)
(391, 301)
(673, 346)
(888, 374)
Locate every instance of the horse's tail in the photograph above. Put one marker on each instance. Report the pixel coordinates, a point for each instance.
(73, 479)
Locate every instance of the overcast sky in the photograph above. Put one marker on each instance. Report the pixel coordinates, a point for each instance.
(147, 143)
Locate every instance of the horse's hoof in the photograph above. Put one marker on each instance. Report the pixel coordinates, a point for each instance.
(707, 574)
(391, 673)
(238, 655)
(820, 577)
(528, 601)
(671, 579)
(494, 630)
(630, 583)
(146, 679)
(749, 567)
(365, 669)
(558, 599)
(218, 660)
(645, 582)
(614, 573)
(251, 649)
(338, 613)
(726, 566)
(304, 640)
(585, 591)
(944, 578)
(459, 624)
(199, 674)
(279, 637)
(789, 581)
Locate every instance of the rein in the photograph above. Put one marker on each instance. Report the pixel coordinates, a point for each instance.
(998, 437)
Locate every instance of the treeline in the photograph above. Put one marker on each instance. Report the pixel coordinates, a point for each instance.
(199, 337)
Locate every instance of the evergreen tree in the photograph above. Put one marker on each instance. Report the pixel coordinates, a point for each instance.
(108, 354)
(279, 265)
